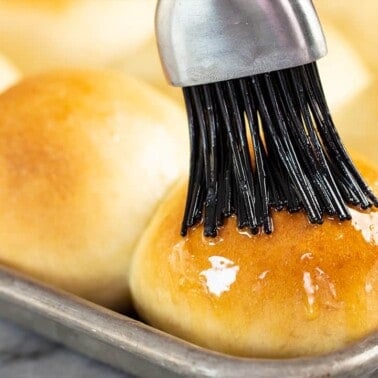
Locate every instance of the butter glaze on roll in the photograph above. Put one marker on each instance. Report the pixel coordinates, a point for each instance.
(304, 290)
(85, 157)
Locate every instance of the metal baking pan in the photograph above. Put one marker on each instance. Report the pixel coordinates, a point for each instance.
(137, 348)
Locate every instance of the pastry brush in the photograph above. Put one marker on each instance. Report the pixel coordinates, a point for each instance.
(262, 137)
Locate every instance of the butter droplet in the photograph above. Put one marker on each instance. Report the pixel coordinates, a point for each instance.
(221, 275)
(263, 275)
(310, 288)
(368, 287)
(212, 241)
(307, 256)
(367, 224)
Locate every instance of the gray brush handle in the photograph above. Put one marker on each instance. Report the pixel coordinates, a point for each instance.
(206, 41)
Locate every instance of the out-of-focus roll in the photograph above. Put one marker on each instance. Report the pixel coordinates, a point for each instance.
(304, 290)
(342, 82)
(145, 64)
(356, 20)
(357, 121)
(41, 34)
(85, 157)
(9, 74)
(351, 70)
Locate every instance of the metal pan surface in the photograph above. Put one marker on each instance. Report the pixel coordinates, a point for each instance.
(136, 348)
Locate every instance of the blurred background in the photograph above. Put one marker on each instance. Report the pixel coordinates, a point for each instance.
(38, 35)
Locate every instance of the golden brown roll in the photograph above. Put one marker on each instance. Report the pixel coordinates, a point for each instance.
(43, 34)
(85, 157)
(303, 290)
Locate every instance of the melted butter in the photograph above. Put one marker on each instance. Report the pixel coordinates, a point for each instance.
(325, 267)
(302, 286)
(307, 256)
(367, 224)
(212, 241)
(221, 275)
(263, 275)
(179, 259)
(368, 287)
(326, 278)
(319, 289)
(310, 289)
(245, 232)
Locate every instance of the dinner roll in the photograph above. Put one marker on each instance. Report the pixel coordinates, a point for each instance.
(145, 64)
(85, 157)
(9, 74)
(342, 82)
(42, 34)
(357, 119)
(357, 21)
(304, 290)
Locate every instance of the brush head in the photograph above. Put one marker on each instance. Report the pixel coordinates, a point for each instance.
(296, 159)
(206, 41)
(249, 73)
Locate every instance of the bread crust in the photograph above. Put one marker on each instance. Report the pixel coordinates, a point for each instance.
(85, 157)
(304, 290)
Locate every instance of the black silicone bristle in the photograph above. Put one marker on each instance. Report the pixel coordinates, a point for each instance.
(296, 160)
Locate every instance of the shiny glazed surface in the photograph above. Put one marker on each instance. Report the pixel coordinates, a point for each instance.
(303, 290)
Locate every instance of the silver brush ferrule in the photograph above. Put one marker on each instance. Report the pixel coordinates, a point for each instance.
(206, 41)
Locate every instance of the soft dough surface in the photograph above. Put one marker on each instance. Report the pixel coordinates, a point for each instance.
(303, 290)
(85, 157)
